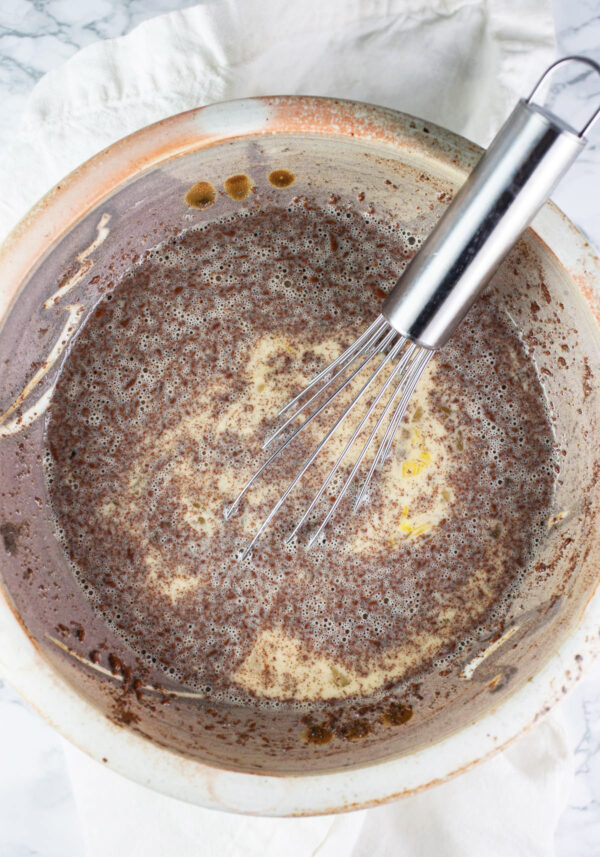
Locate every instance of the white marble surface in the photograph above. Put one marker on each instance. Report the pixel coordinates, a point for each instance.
(37, 810)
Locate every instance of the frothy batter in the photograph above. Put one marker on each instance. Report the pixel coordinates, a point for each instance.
(158, 420)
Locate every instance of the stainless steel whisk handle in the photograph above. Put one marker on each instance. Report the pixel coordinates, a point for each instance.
(500, 198)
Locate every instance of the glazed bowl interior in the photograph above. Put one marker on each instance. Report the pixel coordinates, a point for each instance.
(408, 181)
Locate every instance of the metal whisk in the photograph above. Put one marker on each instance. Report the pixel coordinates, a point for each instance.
(510, 183)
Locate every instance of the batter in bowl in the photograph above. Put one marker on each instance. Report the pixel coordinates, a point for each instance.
(158, 419)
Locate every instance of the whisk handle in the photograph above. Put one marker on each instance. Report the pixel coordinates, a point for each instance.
(509, 184)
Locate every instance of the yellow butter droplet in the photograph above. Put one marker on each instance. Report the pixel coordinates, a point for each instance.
(408, 468)
(423, 528)
(414, 465)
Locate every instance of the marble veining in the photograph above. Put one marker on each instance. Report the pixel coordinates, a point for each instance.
(578, 32)
(38, 815)
(37, 35)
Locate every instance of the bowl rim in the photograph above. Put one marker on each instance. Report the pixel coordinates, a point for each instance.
(137, 758)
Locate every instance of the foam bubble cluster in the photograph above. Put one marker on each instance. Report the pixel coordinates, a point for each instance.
(158, 419)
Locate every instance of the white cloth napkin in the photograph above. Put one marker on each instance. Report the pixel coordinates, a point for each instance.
(460, 63)
(504, 807)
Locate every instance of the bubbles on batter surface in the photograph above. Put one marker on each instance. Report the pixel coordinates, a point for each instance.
(140, 367)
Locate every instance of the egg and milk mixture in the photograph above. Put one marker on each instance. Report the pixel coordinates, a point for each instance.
(158, 419)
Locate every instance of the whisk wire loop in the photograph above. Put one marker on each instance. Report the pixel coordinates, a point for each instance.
(407, 383)
(309, 460)
(379, 340)
(421, 362)
(353, 437)
(382, 344)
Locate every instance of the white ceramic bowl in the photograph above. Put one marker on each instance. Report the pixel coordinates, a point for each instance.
(549, 647)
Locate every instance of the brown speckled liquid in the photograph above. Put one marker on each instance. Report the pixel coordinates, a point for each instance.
(158, 419)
